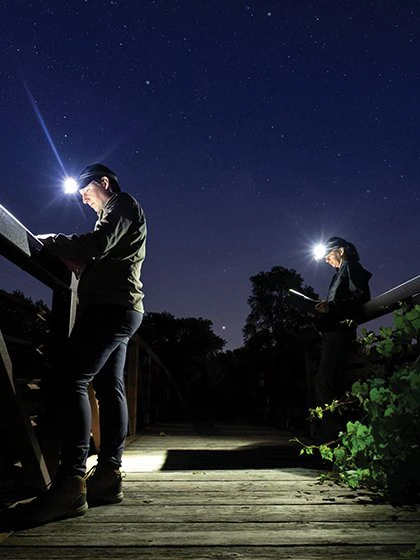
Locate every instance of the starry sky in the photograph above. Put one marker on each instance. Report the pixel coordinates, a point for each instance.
(248, 130)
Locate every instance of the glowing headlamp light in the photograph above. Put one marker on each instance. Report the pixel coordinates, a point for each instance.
(319, 251)
(70, 185)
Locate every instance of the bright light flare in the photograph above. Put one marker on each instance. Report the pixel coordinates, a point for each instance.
(319, 251)
(70, 185)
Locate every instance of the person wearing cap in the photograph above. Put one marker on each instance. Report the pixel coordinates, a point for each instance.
(110, 310)
(337, 320)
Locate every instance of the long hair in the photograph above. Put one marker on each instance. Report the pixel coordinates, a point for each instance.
(350, 252)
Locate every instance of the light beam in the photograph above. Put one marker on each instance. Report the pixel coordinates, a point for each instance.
(43, 124)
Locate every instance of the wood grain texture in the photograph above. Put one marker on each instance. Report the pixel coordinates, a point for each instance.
(183, 504)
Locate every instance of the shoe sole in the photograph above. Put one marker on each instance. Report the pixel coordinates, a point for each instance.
(80, 511)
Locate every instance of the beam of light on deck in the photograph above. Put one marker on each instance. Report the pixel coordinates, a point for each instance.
(143, 463)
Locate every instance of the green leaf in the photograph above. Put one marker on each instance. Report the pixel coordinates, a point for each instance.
(339, 454)
(374, 395)
(390, 410)
(326, 452)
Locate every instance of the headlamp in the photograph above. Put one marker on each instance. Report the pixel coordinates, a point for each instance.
(319, 251)
(70, 185)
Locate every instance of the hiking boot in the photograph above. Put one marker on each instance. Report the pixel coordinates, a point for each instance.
(104, 485)
(65, 497)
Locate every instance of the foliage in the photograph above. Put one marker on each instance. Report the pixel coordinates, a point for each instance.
(271, 319)
(273, 340)
(190, 350)
(171, 337)
(23, 318)
(27, 326)
(380, 446)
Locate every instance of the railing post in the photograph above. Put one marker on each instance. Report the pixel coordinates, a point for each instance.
(132, 384)
(20, 426)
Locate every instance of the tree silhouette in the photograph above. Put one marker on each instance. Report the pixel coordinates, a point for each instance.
(274, 336)
(26, 325)
(189, 349)
(272, 320)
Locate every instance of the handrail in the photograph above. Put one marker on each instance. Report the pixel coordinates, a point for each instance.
(388, 301)
(23, 249)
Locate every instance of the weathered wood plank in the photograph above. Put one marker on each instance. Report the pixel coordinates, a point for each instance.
(70, 532)
(234, 444)
(263, 450)
(362, 552)
(174, 513)
(299, 475)
(234, 486)
(314, 498)
(222, 504)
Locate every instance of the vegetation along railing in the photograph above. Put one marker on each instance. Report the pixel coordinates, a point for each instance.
(149, 384)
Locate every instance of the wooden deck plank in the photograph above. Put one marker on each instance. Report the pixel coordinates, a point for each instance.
(71, 533)
(245, 498)
(286, 475)
(195, 485)
(250, 513)
(225, 494)
(362, 552)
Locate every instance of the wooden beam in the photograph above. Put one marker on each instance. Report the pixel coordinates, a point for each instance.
(27, 444)
(388, 301)
(133, 380)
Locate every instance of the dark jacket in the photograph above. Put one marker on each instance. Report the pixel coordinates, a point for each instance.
(111, 255)
(348, 291)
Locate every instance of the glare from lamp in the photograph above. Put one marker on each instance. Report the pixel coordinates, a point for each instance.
(70, 185)
(319, 252)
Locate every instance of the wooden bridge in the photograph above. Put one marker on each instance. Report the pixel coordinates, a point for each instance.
(220, 491)
(211, 491)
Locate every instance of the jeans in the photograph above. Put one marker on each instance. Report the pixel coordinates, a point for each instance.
(96, 352)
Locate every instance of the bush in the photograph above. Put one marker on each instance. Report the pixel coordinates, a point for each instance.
(380, 447)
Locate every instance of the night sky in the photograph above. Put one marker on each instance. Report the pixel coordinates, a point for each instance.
(247, 130)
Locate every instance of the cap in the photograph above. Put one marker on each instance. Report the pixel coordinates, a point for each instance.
(95, 171)
(334, 243)
(321, 251)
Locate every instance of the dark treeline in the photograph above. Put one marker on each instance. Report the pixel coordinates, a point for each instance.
(264, 380)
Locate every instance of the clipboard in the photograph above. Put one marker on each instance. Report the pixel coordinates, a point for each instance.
(301, 302)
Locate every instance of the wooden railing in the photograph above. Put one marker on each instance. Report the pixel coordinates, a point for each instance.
(144, 370)
(379, 306)
(148, 381)
(387, 302)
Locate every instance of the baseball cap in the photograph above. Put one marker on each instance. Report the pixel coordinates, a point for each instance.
(321, 251)
(96, 171)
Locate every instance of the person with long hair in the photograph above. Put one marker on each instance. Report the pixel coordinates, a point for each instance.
(337, 319)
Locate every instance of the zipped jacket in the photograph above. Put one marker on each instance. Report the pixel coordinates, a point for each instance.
(109, 259)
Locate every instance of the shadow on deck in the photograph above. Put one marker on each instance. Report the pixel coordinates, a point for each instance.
(264, 454)
(218, 491)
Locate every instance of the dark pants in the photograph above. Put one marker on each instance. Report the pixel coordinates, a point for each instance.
(96, 352)
(330, 380)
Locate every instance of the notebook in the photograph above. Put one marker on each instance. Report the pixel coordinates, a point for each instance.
(301, 302)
